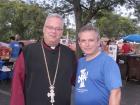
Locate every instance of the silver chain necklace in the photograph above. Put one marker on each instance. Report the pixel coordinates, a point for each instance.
(51, 93)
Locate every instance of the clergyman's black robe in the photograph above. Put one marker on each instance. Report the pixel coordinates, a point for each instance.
(30, 82)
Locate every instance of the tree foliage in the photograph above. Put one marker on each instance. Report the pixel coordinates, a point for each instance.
(112, 25)
(137, 9)
(135, 4)
(84, 10)
(17, 17)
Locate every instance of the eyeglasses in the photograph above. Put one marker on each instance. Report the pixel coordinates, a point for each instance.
(54, 28)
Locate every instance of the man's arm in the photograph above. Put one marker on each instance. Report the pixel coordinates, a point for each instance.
(115, 97)
(17, 95)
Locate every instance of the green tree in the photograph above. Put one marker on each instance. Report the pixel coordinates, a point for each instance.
(84, 10)
(17, 17)
(112, 25)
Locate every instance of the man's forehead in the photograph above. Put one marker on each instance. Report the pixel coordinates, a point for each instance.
(53, 21)
(53, 18)
(88, 33)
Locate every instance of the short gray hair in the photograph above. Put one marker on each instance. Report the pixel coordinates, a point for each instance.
(55, 15)
(89, 27)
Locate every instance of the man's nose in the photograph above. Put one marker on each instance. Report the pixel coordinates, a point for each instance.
(54, 30)
(87, 43)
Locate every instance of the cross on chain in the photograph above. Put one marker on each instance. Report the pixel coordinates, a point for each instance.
(51, 94)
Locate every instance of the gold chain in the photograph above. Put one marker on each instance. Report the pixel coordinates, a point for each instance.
(58, 60)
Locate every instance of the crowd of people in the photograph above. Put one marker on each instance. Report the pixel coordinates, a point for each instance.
(123, 47)
(45, 72)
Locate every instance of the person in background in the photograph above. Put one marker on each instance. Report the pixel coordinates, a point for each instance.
(98, 79)
(126, 48)
(17, 37)
(72, 46)
(43, 71)
(105, 45)
(15, 48)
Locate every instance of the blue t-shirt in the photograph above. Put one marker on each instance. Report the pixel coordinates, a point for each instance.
(15, 49)
(95, 79)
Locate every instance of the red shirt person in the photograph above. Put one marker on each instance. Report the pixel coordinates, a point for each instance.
(126, 48)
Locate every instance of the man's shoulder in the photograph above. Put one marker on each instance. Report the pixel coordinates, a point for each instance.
(33, 46)
(81, 59)
(104, 55)
(104, 58)
(13, 43)
(108, 60)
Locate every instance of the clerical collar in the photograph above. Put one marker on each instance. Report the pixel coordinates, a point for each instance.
(50, 47)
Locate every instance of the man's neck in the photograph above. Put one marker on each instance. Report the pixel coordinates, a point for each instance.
(52, 46)
(92, 56)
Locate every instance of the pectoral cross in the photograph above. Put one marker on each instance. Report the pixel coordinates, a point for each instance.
(51, 94)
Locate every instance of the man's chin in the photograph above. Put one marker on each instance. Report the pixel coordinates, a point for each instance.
(53, 42)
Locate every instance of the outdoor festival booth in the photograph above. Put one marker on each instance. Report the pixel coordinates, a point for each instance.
(130, 63)
(7, 59)
(5, 65)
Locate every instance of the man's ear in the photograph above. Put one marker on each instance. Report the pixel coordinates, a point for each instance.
(43, 29)
(78, 41)
(99, 42)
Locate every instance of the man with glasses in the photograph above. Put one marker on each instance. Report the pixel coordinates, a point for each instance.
(44, 69)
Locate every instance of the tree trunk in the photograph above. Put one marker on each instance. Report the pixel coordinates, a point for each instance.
(78, 21)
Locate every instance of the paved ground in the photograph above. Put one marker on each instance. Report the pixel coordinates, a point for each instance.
(5, 92)
(130, 93)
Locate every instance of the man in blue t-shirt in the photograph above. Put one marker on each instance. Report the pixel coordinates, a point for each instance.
(98, 78)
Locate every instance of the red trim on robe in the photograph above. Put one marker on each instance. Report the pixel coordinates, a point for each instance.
(17, 95)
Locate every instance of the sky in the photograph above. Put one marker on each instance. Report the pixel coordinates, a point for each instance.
(125, 12)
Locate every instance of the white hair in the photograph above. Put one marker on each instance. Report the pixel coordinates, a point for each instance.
(55, 15)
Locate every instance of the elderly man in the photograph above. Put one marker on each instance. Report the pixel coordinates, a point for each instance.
(44, 69)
